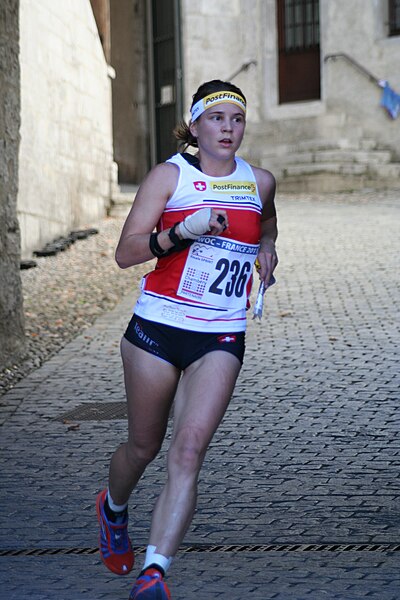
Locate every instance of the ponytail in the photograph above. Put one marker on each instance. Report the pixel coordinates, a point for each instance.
(184, 135)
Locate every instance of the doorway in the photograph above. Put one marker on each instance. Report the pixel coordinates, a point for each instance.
(299, 50)
(165, 76)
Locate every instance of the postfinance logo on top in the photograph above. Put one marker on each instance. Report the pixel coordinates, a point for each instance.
(218, 97)
(233, 187)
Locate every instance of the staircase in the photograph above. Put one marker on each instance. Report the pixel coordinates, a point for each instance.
(317, 166)
(332, 166)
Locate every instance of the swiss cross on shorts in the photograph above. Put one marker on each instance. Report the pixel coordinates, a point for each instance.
(200, 185)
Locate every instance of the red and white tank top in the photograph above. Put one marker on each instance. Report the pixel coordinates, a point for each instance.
(206, 286)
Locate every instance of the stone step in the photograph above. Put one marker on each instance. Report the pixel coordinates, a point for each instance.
(332, 165)
(333, 177)
(259, 149)
(321, 146)
(388, 171)
(324, 167)
(335, 182)
(338, 156)
(122, 200)
(337, 143)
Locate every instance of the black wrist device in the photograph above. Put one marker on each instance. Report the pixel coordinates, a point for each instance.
(177, 242)
(155, 247)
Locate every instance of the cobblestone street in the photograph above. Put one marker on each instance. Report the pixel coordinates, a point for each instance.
(300, 491)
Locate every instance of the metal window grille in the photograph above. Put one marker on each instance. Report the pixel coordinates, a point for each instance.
(301, 24)
(394, 17)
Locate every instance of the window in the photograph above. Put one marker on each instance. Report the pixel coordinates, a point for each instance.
(394, 17)
(301, 24)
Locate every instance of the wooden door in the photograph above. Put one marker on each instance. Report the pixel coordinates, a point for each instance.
(299, 50)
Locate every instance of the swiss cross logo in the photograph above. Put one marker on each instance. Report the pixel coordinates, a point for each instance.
(200, 186)
(226, 338)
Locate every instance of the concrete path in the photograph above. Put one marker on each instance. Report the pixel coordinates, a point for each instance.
(300, 492)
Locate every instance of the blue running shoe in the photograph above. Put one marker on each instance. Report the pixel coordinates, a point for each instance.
(115, 546)
(150, 586)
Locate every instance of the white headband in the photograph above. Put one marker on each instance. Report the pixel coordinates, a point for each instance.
(217, 98)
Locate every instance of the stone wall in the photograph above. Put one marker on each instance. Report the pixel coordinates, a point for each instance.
(360, 29)
(66, 132)
(11, 314)
(217, 39)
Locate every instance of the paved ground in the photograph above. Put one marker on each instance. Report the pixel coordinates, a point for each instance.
(300, 493)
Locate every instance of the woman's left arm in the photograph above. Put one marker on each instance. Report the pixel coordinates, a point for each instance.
(267, 256)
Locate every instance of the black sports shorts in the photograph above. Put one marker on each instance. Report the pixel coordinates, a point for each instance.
(178, 346)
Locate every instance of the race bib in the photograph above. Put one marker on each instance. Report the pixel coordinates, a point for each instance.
(217, 271)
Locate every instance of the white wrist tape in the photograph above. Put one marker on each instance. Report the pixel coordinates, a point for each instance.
(196, 224)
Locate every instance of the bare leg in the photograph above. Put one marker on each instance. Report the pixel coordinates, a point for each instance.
(150, 387)
(201, 400)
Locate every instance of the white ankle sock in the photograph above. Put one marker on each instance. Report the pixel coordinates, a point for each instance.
(152, 558)
(115, 507)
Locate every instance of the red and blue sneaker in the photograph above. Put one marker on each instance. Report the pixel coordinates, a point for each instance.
(115, 546)
(150, 585)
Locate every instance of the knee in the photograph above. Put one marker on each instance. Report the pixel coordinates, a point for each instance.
(187, 451)
(141, 453)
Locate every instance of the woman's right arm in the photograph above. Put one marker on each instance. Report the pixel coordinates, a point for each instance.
(151, 198)
(159, 185)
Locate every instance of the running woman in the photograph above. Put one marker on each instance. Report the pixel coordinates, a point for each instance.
(213, 215)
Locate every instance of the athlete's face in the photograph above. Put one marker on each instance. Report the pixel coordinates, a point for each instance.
(220, 129)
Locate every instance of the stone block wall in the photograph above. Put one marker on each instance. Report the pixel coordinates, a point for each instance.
(360, 29)
(11, 314)
(66, 133)
(217, 39)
